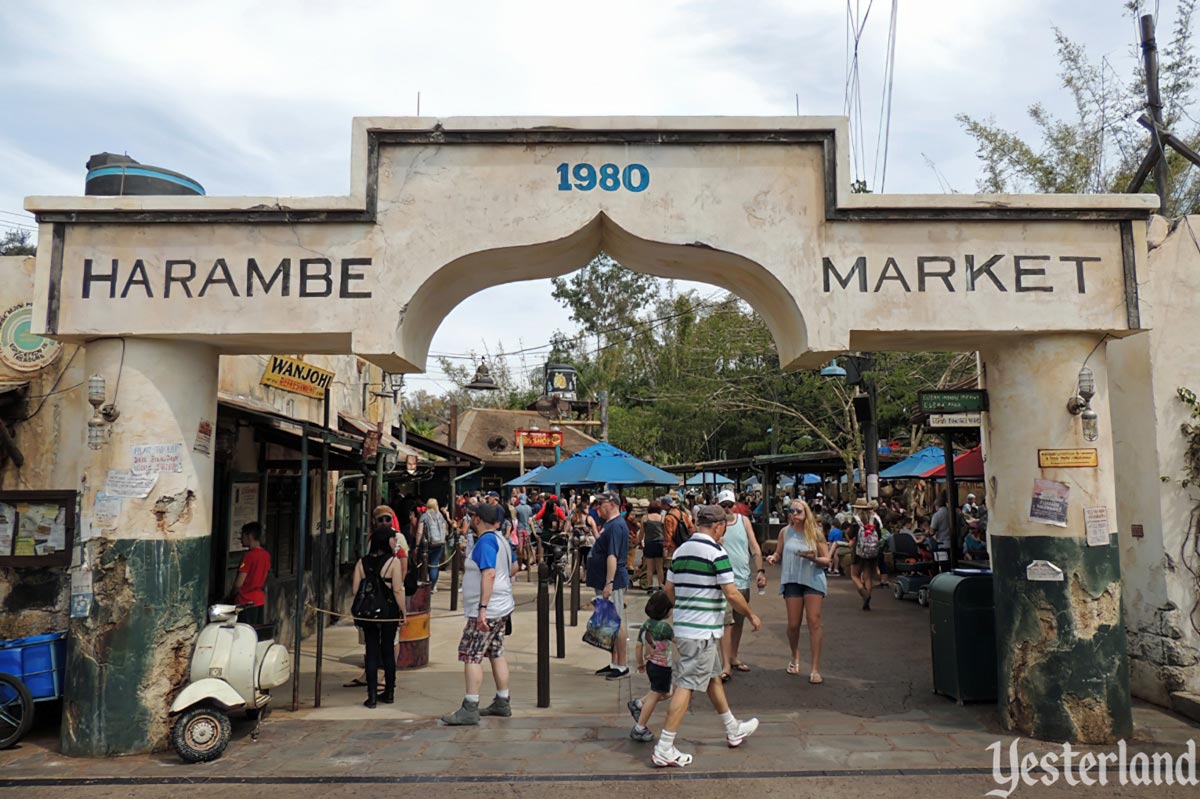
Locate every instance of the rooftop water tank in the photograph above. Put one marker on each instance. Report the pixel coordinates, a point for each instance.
(111, 175)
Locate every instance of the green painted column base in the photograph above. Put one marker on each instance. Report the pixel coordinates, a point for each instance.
(129, 657)
(1063, 658)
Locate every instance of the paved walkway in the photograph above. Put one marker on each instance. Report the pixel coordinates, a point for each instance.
(876, 712)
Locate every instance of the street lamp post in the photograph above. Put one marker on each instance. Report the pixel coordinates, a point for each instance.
(865, 410)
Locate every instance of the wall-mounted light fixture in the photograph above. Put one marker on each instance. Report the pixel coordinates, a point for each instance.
(1081, 404)
(102, 415)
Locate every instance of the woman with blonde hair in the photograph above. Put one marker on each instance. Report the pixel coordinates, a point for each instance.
(804, 555)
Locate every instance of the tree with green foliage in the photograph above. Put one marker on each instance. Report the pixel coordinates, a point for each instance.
(1097, 147)
(17, 242)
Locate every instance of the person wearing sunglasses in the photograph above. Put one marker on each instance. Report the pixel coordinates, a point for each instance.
(804, 555)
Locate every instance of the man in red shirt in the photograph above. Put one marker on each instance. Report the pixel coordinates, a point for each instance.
(252, 576)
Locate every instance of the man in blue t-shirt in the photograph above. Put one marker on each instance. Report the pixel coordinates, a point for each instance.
(607, 575)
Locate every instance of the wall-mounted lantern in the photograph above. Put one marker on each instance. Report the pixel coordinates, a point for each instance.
(1081, 404)
(102, 415)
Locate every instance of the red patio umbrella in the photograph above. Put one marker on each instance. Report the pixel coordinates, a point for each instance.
(967, 466)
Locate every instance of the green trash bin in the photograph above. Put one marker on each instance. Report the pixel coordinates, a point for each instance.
(962, 626)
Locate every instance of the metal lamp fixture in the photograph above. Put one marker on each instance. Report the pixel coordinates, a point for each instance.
(1081, 404)
(102, 415)
(483, 379)
(833, 370)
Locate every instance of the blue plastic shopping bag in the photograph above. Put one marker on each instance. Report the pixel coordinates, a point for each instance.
(603, 626)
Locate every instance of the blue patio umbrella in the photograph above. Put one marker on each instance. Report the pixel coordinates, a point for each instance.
(524, 479)
(805, 479)
(914, 465)
(603, 463)
(708, 478)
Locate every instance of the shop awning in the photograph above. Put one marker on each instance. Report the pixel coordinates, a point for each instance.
(914, 465)
(967, 466)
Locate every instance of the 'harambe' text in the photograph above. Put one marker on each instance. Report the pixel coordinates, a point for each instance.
(313, 277)
(1023, 273)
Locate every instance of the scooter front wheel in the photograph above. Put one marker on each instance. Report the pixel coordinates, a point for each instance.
(201, 734)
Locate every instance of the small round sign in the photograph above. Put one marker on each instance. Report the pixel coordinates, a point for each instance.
(20, 348)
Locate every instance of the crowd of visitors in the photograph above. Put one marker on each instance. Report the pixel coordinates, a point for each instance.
(699, 559)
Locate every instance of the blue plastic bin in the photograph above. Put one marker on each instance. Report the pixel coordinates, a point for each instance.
(38, 661)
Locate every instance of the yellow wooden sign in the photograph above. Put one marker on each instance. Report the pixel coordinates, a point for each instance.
(296, 376)
(1067, 458)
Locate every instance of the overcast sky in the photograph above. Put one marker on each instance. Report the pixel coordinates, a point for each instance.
(251, 101)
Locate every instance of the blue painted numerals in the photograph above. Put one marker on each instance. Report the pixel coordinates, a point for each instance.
(609, 177)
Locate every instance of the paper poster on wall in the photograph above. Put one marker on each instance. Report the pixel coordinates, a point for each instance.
(154, 458)
(204, 433)
(8, 527)
(81, 593)
(1050, 502)
(1096, 522)
(124, 483)
(243, 510)
(41, 529)
(105, 511)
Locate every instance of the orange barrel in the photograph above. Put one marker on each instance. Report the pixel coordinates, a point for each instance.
(412, 652)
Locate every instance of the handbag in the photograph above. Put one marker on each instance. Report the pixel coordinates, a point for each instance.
(604, 625)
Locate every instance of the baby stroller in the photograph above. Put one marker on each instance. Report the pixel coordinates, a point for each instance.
(915, 567)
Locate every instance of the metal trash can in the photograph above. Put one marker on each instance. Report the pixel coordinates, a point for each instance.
(412, 649)
(962, 626)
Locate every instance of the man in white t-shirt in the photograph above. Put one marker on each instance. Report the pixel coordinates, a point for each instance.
(488, 602)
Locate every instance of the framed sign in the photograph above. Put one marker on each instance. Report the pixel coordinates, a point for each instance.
(1067, 459)
(37, 528)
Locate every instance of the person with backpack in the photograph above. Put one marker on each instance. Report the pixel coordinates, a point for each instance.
(378, 590)
(677, 526)
(433, 528)
(804, 555)
(864, 558)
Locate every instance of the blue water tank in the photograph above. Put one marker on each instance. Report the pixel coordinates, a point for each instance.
(111, 175)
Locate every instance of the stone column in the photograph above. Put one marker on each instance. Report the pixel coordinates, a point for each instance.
(1063, 663)
(148, 566)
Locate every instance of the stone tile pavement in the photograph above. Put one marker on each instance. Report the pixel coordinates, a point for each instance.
(876, 712)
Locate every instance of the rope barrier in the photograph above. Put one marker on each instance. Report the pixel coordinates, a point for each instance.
(316, 609)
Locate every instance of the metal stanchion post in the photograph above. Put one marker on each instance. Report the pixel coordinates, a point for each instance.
(543, 636)
(454, 567)
(575, 593)
(560, 627)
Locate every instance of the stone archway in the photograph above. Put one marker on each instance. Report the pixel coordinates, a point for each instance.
(441, 209)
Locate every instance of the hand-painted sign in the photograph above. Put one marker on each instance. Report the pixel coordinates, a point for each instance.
(544, 439)
(1024, 273)
(955, 420)
(609, 177)
(1067, 458)
(968, 401)
(150, 458)
(296, 376)
(21, 349)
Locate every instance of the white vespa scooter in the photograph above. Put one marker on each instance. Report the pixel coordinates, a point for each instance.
(232, 669)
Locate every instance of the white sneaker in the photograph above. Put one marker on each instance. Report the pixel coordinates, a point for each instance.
(671, 758)
(744, 730)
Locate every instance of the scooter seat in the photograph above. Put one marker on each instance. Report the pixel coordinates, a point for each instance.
(265, 632)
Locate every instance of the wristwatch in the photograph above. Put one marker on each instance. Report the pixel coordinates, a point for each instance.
(762, 571)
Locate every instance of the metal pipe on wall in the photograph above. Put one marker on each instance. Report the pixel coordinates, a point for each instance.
(301, 539)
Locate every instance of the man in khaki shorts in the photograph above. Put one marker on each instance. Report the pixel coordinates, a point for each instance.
(699, 583)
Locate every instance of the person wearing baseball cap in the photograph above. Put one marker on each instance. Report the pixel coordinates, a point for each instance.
(488, 602)
(699, 579)
(606, 573)
(742, 546)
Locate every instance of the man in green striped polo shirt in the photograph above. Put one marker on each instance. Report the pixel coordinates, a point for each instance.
(700, 582)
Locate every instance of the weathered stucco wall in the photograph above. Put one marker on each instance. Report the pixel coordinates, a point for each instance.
(1161, 587)
(35, 600)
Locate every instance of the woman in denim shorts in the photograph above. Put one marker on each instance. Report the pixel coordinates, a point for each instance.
(804, 554)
